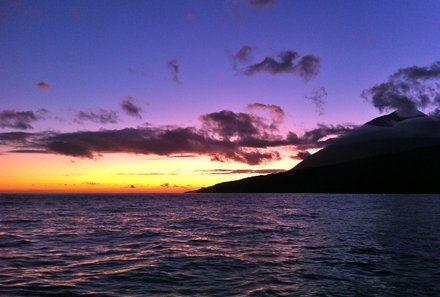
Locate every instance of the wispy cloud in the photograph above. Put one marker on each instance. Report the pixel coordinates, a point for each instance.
(240, 171)
(144, 173)
(174, 68)
(262, 3)
(275, 111)
(175, 186)
(14, 137)
(130, 106)
(244, 54)
(318, 97)
(100, 116)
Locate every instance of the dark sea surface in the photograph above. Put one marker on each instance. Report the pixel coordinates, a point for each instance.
(220, 245)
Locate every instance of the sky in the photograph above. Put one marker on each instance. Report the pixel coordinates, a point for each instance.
(171, 96)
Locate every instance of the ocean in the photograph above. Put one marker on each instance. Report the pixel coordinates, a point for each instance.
(220, 245)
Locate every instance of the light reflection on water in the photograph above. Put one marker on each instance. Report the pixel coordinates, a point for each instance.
(220, 245)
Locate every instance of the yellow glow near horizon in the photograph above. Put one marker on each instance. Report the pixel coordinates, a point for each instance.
(116, 173)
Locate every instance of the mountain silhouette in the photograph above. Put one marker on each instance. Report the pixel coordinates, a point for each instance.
(394, 153)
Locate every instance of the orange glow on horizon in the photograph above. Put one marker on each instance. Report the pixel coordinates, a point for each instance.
(117, 173)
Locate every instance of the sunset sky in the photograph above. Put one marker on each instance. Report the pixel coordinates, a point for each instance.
(170, 96)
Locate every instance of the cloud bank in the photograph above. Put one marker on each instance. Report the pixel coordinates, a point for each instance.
(224, 136)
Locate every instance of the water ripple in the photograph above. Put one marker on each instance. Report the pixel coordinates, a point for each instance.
(220, 245)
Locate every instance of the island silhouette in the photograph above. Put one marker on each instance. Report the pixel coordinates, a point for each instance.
(395, 153)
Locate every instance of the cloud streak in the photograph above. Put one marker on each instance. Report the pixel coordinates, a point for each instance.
(174, 68)
(262, 3)
(100, 116)
(318, 97)
(240, 171)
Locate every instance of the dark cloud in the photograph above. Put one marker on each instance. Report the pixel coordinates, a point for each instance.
(100, 116)
(254, 157)
(407, 89)
(371, 140)
(307, 66)
(318, 97)
(174, 68)
(175, 186)
(240, 171)
(14, 137)
(242, 55)
(319, 136)
(28, 151)
(224, 136)
(17, 119)
(42, 85)
(301, 155)
(130, 107)
(227, 124)
(262, 3)
(132, 187)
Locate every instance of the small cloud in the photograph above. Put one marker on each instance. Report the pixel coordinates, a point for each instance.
(17, 119)
(175, 186)
(42, 85)
(174, 68)
(132, 187)
(242, 55)
(318, 97)
(306, 67)
(100, 116)
(262, 3)
(276, 111)
(130, 107)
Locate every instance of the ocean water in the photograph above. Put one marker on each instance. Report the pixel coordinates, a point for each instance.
(220, 245)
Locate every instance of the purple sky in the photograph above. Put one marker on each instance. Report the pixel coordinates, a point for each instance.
(69, 66)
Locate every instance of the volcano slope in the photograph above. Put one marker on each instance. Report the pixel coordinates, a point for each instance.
(389, 154)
